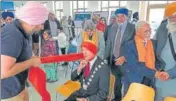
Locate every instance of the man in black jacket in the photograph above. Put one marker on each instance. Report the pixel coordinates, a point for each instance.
(53, 25)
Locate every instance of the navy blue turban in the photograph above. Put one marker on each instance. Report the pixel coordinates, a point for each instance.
(7, 14)
(122, 11)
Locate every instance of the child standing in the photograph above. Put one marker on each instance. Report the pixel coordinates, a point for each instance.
(62, 41)
(48, 48)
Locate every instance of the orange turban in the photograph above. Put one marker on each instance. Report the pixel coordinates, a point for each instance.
(90, 46)
(170, 9)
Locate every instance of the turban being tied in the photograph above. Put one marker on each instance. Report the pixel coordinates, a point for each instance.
(122, 11)
(170, 9)
(90, 46)
(33, 13)
(7, 14)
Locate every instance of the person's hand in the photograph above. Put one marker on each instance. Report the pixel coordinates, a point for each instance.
(82, 64)
(120, 60)
(35, 61)
(81, 99)
(50, 39)
(163, 76)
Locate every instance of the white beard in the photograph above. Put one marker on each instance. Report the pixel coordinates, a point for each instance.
(171, 26)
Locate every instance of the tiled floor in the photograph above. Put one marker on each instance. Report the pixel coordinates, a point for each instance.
(34, 96)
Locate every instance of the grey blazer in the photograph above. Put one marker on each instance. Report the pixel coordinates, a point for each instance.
(99, 86)
(161, 39)
(128, 35)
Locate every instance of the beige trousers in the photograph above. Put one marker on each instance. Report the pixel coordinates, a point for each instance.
(23, 96)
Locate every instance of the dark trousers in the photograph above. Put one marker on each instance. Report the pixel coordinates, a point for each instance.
(76, 95)
(63, 50)
(57, 47)
(116, 71)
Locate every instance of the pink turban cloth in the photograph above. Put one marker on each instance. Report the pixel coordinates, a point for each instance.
(33, 13)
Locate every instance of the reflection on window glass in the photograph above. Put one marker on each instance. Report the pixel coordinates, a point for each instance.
(157, 2)
(123, 3)
(155, 18)
(114, 3)
(75, 4)
(104, 3)
(80, 4)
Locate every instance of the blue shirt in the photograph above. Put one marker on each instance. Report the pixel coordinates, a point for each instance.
(17, 44)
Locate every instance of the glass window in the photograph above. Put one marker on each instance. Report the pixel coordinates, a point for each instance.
(62, 14)
(80, 4)
(58, 18)
(171, 1)
(57, 13)
(104, 3)
(86, 4)
(59, 5)
(123, 3)
(74, 4)
(104, 9)
(155, 20)
(75, 10)
(113, 3)
(80, 10)
(44, 4)
(112, 9)
(157, 2)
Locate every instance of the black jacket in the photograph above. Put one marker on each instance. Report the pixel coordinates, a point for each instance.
(47, 25)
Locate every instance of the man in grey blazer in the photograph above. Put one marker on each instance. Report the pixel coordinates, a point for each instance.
(118, 35)
(93, 74)
(166, 54)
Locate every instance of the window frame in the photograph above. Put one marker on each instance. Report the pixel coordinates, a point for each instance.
(60, 10)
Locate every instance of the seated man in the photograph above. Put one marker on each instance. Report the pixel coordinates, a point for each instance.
(93, 74)
(140, 58)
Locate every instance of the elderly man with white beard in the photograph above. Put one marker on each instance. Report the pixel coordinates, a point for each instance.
(166, 55)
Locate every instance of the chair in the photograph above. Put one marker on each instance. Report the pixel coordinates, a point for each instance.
(139, 92)
(68, 88)
(111, 88)
(170, 99)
